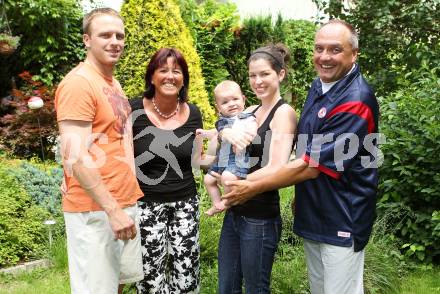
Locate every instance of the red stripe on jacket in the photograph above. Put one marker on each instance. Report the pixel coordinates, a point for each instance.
(358, 108)
(321, 168)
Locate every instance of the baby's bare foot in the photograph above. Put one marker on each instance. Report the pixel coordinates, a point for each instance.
(213, 211)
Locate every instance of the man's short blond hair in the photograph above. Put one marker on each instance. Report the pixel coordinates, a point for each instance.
(88, 18)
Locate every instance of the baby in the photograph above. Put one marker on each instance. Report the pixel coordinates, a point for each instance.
(231, 164)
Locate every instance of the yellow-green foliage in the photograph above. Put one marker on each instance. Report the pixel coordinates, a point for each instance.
(150, 25)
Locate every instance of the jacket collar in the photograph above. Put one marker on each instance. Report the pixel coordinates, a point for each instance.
(339, 87)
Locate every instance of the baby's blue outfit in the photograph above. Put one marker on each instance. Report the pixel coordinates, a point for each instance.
(237, 164)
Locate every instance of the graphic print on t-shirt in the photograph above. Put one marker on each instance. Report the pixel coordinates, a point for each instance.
(121, 108)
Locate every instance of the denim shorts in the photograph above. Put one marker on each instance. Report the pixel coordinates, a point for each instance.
(227, 160)
(235, 170)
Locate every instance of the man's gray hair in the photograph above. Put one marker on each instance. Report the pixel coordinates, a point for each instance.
(354, 37)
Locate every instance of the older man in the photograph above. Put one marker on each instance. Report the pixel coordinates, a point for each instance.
(335, 169)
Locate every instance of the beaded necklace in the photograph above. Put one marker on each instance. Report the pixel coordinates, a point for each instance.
(165, 116)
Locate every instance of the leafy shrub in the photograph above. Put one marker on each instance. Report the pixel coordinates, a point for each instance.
(254, 33)
(151, 25)
(212, 25)
(50, 38)
(300, 35)
(43, 187)
(20, 130)
(22, 232)
(224, 47)
(410, 174)
(41, 181)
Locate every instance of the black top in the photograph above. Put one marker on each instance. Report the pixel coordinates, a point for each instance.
(163, 157)
(267, 204)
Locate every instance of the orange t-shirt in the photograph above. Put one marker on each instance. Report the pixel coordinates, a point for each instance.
(86, 95)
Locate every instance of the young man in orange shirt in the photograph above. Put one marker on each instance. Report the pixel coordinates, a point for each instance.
(100, 189)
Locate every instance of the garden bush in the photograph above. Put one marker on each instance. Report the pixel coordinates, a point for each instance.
(410, 174)
(212, 25)
(51, 39)
(23, 235)
(43, 186)
(253, 33)
(27, 133)
(299, 37)
(151, 25)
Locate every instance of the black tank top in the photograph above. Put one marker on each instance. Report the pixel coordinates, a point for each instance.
(267, 204)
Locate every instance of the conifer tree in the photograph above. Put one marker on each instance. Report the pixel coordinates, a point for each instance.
(149, 26)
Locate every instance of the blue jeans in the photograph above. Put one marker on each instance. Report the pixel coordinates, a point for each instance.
(246, 252)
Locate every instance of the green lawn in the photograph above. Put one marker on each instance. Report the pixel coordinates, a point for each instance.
(53, 281)
(421, 282)
(382, 270)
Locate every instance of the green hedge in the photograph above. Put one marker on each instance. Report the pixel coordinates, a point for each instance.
(51, 39)
(212, 25)
(410, 174)
(299, 37)
(253, 33)
(29, 195)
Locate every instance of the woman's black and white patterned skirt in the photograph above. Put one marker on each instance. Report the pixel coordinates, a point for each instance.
(170, 246)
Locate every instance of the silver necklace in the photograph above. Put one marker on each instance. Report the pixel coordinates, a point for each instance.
(166, 116)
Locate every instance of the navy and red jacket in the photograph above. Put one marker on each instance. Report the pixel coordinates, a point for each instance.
(337, 133)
